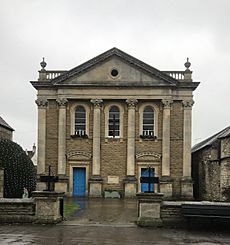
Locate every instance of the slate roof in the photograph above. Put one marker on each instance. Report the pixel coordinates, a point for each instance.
(209, 141)
(4, 124)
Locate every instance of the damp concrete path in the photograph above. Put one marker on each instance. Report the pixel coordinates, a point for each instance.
(106, 222)
(82, 235)
(103, 212)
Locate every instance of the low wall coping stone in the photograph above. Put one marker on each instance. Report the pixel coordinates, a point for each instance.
(16, 200)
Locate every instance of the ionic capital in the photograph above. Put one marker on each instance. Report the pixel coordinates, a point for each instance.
(187, 104)
(41, 102)
(97, 103)
(131, 103)
(62, 102)
(167, 103)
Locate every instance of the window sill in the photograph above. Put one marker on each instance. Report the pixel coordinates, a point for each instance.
(107, 139)
(79, 136)
(148, 137)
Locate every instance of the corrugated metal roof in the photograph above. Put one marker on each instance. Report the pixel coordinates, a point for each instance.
(209, 141)
(3, 123)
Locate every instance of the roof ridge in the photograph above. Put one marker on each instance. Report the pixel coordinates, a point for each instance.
(5, 124)
(208, 141)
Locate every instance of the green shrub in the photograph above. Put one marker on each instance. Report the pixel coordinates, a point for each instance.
(19, 170)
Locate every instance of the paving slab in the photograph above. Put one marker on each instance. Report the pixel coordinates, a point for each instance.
(100, 211)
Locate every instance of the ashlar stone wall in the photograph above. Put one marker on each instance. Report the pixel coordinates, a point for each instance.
(114, 150)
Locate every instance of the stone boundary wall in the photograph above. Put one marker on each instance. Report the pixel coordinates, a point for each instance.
(171, 214)
(17, 210)
(45, 207)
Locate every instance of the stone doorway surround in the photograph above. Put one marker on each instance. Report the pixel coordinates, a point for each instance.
(145, 160)
(78, 159)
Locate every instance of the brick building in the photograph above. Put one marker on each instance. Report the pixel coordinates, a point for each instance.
(6, 132)
(104, 122)
(211, 167)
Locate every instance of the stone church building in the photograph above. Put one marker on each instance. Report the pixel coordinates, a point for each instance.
(102, 124)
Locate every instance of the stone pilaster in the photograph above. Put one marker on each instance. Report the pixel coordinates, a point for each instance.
(42, 104)
(130, 181)
(95, 180)
(166, 183)
(62, 102)
(187, 105)
(186, 181)
(166, 137)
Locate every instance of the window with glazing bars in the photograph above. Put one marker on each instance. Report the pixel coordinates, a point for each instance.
(148, 121)
(114, 122)
(80, 121)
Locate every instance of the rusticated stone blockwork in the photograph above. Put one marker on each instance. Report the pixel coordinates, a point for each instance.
(103, 123)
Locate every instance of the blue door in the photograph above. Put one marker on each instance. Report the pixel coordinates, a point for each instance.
(145, 173)
(79, 182)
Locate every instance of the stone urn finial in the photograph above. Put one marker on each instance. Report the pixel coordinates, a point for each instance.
(43, 64)
(187, 64)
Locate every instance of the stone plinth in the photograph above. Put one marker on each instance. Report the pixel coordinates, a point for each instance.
(95, 186)
(130, 186)
(187, 189)
(166, 187)
(149, 209)
(48, 206)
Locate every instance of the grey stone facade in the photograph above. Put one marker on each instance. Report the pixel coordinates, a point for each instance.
(211, 167)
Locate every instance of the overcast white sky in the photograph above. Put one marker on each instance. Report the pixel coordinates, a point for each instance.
(69, 32)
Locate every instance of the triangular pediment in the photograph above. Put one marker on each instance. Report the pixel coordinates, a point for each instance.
(114, 67)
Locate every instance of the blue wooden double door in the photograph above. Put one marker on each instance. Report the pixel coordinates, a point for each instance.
(79, 182)
(145, 173)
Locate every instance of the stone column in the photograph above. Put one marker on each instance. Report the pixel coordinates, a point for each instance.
(130, 181)
(41, 155)
(166, 183)
(62, 184)
(186, 181)
(95, 180)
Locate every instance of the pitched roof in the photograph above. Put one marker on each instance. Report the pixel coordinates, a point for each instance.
(162, 77)
(109, 54)
(209, 141)
(4, 124)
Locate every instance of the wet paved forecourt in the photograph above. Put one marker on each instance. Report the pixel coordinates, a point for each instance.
(106, 221)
